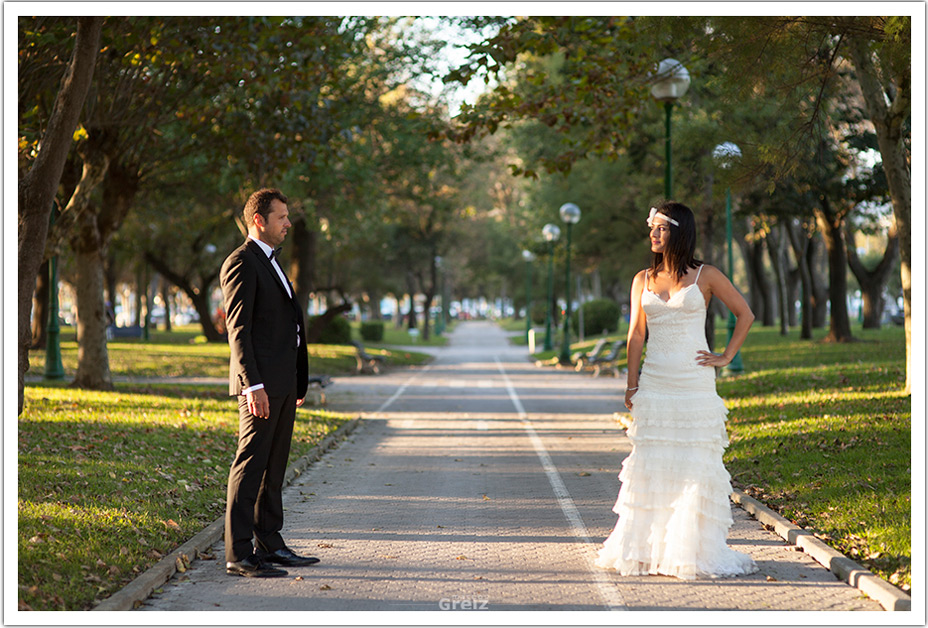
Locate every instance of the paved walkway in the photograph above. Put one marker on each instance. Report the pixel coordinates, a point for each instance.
(480, 482)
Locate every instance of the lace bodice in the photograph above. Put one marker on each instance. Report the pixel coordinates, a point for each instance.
(676, 327)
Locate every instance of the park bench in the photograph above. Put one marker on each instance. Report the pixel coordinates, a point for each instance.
(317, 386)
(581, 359)
(367, 363)
(132, 331)
(608, 362)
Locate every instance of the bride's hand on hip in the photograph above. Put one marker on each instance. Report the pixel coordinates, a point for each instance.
(707, 358)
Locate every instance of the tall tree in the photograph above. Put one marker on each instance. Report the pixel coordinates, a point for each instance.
(794, 62)
(882, 61)
(37, 187)
(146, 73)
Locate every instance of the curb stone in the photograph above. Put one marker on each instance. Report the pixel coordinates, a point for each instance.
(889, 597)
(137, 591)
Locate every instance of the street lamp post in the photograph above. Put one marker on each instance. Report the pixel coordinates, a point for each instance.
(670, 83)
(551, 233)
(570, 214)
(724, 155)
(529, 257)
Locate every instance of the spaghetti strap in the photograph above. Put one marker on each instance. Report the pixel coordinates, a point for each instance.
(697, 273)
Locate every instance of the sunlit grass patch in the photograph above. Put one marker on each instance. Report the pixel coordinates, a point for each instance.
(110, 482)
(822, 434)
(176, 356)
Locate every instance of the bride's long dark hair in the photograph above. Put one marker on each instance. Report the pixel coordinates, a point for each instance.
(681, 247)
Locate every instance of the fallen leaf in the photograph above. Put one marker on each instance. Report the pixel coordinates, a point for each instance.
(325, 587)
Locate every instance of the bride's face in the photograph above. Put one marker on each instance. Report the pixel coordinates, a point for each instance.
(660, 234)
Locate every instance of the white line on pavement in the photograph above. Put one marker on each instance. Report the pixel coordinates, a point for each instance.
(399, 391)
(610, 595)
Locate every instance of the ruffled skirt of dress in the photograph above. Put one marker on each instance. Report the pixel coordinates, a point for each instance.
(673, 505)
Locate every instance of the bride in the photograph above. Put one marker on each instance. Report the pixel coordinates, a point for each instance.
(673, 506)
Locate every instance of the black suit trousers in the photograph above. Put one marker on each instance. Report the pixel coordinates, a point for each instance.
(254, 504)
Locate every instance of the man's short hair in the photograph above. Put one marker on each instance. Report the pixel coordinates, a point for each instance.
(260, 203)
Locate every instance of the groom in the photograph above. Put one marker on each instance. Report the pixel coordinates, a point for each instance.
(268, 372)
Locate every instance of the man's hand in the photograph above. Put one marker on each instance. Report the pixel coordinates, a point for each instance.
(258, 404)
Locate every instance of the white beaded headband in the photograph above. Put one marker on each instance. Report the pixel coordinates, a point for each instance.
(664, 216)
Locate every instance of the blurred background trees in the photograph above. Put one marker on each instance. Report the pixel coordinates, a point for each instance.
(406, 192)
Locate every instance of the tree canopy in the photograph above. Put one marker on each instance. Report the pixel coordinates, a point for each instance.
(186, 116)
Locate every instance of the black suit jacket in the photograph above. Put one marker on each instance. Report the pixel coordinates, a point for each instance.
(262, 322)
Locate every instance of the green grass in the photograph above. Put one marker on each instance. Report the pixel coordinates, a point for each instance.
(821, 433)
(183, 353)
(110, 482)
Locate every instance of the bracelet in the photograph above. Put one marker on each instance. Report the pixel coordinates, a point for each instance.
(635, 388)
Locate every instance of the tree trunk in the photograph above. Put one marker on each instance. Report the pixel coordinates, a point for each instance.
(411, 287)
(819, 283)
(761, 297)
(166, 298)
(775, 248)
(93, 227)
(139, 292)
(199, 295)
(831, 224)
(374, 305)
(303, 262)
(110, 277)
(801, 243)
(889, 120)
(793, 288)
(426, 317)
(873, 283)
(37, 188)
(40, 306)
(93, 365)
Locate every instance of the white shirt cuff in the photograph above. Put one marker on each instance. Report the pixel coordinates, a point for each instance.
(252, 388)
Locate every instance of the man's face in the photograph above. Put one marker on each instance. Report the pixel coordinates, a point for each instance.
(273, 230)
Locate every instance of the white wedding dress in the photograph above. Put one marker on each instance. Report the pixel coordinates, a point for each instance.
(673, 506)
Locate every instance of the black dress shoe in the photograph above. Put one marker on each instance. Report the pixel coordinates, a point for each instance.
(253, 567)
(285, 556)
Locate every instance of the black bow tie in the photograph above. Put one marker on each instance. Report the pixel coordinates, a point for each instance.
(275, 254)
